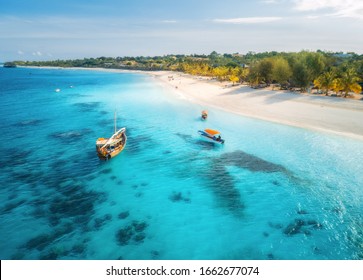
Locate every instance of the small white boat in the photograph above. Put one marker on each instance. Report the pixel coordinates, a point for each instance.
(57, 90)
(211, 135)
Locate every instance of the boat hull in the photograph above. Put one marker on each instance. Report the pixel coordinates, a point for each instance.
(204, 115)
(108, 148)
(111, 154)
(210, 138)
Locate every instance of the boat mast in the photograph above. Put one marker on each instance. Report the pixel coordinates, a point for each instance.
(115, 121)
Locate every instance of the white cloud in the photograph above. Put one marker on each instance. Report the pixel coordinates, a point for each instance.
(347, 8)
(248, 20)
(169, 21)
(37, 53)
(20, 52)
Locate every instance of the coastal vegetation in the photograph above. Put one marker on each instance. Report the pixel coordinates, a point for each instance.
(327, 73)
(9, 65)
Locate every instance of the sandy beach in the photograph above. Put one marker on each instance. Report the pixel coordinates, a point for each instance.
(341, 116)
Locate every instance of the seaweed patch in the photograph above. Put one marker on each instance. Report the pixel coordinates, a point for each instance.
(15, 157)
(302, 226)
(70, 136)
(155, 254)
(101, 221)
(133, 232)
(87, 106)
(33, 122)
(73, 202)
(139, 238)
(123, 215)
(223, 185)
(250, 162)
(39, 242)
(179, 197)
(10, 206)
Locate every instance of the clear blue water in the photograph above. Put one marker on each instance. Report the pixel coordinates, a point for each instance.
(271, 192)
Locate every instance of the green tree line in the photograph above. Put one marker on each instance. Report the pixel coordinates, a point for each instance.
(326, 71)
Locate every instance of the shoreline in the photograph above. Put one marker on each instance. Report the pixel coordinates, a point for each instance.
(332, 115)
(319, 113)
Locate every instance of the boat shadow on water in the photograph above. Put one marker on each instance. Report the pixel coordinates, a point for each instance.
(207, 145)
(87, 106)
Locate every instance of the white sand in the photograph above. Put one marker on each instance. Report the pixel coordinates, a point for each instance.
(324, 113)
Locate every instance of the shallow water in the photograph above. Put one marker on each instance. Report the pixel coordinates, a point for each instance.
(271, 192)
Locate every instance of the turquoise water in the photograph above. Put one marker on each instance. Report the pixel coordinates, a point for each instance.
(271, 192)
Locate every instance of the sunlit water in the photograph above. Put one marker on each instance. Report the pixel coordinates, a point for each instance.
(271, 192)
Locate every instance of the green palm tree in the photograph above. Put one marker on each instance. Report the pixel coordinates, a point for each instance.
(325, 81)
(348, 82)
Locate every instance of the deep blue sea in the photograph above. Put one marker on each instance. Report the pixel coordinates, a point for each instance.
(271, 192)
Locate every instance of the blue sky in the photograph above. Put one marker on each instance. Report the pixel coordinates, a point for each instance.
(45, 30)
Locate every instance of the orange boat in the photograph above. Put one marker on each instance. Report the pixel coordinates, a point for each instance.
(211, 135)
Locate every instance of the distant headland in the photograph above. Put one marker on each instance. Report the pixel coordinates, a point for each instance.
(9, 65)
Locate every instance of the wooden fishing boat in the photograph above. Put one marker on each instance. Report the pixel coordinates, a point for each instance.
(211, 135)
(108, 148)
